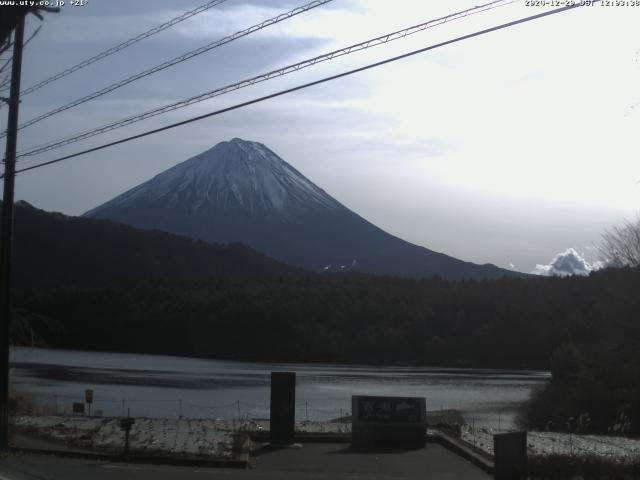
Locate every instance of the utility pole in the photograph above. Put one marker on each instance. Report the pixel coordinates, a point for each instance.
(7, 231)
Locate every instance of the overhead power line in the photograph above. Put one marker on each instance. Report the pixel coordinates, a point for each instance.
(122, 46)
(175, 61)
(389, 37)
(26, 42)
(306, 85)
(5, 83)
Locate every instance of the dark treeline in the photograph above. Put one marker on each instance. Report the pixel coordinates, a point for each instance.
(514, 323)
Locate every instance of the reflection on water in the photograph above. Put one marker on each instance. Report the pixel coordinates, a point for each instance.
(164, 386)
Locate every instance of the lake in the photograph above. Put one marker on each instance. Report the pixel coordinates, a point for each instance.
(167, 386)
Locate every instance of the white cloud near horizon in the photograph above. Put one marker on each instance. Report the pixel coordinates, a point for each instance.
(569, 262)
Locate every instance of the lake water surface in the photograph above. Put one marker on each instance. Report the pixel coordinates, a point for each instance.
(165, 386)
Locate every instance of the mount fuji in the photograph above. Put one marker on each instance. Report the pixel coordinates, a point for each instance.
(241, 191)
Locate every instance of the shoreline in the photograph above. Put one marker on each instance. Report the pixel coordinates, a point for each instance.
(320, 363)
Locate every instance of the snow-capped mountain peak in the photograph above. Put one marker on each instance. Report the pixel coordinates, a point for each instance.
(237, 175)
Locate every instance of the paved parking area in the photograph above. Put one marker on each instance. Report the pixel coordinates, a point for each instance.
(311, 461)
(340, 461)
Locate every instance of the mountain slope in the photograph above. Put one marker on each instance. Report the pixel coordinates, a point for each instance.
(240, 191)
(55, 250)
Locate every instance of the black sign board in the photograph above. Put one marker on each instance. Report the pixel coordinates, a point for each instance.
(126, 423)
(388, 421)
(390, 409)
(283, 407)
(78, 407)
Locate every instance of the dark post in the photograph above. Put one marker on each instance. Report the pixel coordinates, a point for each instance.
(510, 455)
(88, 398)
(7, 231)
(125, 425)
(283, 407)
(126, 441)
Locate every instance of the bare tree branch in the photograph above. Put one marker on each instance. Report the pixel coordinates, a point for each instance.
(620, 246)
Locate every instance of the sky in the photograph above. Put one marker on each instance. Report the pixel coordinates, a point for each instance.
(517, 148)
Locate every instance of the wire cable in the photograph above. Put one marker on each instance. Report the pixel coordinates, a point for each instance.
(5, 84)
(307, 85)
(24, 45)
(122, 46)
(389, 37)
(175, 61)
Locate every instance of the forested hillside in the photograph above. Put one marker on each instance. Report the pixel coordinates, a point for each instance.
(513, 323)
(56, 250)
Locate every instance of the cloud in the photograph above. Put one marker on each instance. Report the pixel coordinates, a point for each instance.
(569, 262)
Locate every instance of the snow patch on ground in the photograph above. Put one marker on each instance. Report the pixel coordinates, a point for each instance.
(211, 438)
(616, 449)
(155, 436)
(214, 438)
